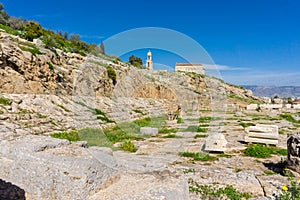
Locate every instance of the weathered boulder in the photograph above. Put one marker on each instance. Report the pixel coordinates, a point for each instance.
(49, 168)
(293, 146)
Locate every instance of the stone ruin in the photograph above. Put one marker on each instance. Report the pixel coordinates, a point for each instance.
(293, 146)
(215, 142)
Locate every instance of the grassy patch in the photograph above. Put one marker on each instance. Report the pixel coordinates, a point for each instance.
(179, 120)
(128, 146)
(269, 172)
(5, 101)
(168, 130)
(71, 135)
(195, 129)
(105, 119)
(138, 111)
(42, 116)
(237, 170)
(216, 192)
(9, 30)
(186, 171)
(201, 156)
(288, 117)
(208, 119)
(263, 151)
(247, 100)
(246, 124)
(200, 136)
(224, 155)
(51, 67)
(98, 112)
(34, 51)
(61, 106)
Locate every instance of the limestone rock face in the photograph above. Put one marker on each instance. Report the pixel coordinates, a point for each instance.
(293, 146)
(49, 168)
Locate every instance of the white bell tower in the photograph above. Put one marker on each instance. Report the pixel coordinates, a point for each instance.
(149, 63)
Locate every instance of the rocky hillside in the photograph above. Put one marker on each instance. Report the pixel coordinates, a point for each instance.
(45, 91)
(50, 90)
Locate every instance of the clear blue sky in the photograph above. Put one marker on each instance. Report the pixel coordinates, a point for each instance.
(255, 41)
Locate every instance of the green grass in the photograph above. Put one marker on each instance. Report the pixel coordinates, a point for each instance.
(138, 111)
(128, 146)
(288, 117)
(71, 135)
(246, 124)
(194, 128)
(105, 119)
(263, 151)
(200, 136)
(5, 101)
(247, 100)
(216, 192)
(168, 130)
(42, 116)
(186, 171)
(237, 170)
(269, 172)
(207, 119)
(94, 137)
(179, 120)
(9, 30)
(51, 67)
(224, 155)
(98, 112)
(200, 156)
(172, 136)
(33, 50)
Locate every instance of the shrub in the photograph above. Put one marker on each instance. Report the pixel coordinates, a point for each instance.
(112, 74)
(128, 146)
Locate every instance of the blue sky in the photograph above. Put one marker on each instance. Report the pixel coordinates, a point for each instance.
(255, 42)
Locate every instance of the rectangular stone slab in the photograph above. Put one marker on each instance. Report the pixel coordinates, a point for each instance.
(261, 140)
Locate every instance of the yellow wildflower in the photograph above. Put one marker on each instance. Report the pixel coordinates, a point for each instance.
(298, 180)
(285, 188)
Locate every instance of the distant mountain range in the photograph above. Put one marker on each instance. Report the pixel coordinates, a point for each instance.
(271, 91)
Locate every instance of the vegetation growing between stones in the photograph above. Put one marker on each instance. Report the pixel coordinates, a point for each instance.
(5, 101)
(200, 136)
(69, 135)
(128, 146)
(246, 124)
(263, 151)
(249, 101)
(216, 192)
(93, 136)
(200, 156)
